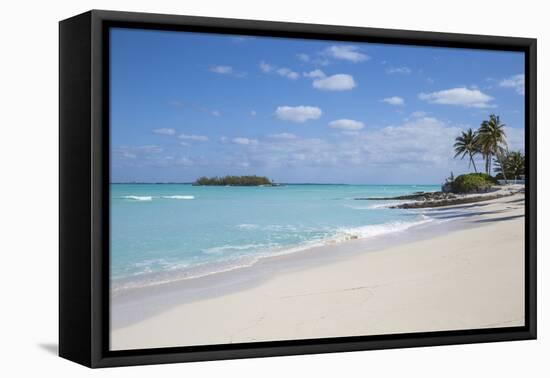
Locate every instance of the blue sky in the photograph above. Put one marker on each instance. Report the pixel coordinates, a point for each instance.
(185, 105)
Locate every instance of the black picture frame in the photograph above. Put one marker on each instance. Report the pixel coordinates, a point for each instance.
(84, 188)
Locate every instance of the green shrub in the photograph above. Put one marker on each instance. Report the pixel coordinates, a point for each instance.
(234, 181)
(472, 182)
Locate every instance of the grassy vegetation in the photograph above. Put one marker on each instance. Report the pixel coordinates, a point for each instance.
(472, 182)
(234, 181)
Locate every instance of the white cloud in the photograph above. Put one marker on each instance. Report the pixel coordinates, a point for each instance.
(136, 152)
(185, 161)
(348, 52)
(165, 131)
(515, 138)
(282, 136)
(418, 114)
(253, 113)
(315, 74)
(184, 144)
(298, 114)
(470, 98)
(303, 57)
(288, 73)
(517, 82)
(245, 141)
(227, 70)
(198, 107)
(417, 145)
(395, 100)
(321, 61)
(146, 156)
(265, 67)
(338, 82)
(422, 140)
(399, 70)
(198, 138)
(346, 124)
(126, 154)
(223, 70)
(281, 71)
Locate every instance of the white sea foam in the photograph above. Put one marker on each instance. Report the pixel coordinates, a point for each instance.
(179, 197)
(247, 226)
(182, 272)
(378, 205)
(337, 236)
(387, 205)
(242, 247)
(358, 207)
(139, 198)
(253, 253)
(377, 229)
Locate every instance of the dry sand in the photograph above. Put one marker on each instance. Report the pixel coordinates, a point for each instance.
(469, 277)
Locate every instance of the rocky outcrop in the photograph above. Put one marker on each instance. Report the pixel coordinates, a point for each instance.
(448, 201)
(418, 196)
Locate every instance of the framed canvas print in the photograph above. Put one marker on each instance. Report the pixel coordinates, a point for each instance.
(234, 188)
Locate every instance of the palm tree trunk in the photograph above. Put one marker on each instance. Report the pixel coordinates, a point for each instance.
(499, 157)
(473, 163)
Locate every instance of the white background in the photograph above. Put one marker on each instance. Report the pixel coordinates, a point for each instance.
(29, 188)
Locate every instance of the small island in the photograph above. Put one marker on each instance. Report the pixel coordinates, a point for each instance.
(234, 181)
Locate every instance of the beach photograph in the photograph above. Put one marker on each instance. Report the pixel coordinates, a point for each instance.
(269, 189)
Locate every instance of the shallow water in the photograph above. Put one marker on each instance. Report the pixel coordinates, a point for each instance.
(195, 231)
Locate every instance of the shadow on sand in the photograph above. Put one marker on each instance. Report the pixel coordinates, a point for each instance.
(499, 219)
(51, 348)
(464, 215)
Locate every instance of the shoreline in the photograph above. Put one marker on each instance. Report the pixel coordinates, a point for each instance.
(160, 278)
(160, 303)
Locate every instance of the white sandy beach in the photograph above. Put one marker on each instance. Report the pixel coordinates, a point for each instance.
(471, 277)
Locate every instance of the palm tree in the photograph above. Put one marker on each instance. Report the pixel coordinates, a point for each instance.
(467, 144)
(492, 141)
(514, 165)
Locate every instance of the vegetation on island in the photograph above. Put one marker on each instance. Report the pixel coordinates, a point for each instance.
(235, 181)
(472, 182)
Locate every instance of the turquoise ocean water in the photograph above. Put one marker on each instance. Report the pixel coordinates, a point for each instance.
(196, 230)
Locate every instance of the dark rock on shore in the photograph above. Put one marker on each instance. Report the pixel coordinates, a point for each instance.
(447, 202)
(418, 196)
